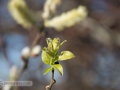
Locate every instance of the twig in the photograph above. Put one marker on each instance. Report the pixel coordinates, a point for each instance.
(53, 81)
(3, 49)
(37, 39)
(24, 68)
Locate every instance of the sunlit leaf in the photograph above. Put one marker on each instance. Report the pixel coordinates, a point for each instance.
(56, 44)
(59, 68)
(44, 48)
(49, 42)
(66, 55)
(48, 51)
(46, 57)
(47, 70)
(50, 55)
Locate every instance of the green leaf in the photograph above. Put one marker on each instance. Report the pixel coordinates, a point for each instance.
(46, 57)
(48, 51)
(63, 42)
(49, 42)
(45, 49)
(47, 70)
(59, 68)
(56, 44)
(64, 55)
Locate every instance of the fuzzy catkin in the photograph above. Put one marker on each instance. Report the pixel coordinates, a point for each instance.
(67, 19)
(50, 8)
(20, 12)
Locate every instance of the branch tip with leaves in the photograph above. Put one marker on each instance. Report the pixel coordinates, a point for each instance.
(51, 57)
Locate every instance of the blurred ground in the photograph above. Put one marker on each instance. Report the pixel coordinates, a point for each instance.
(94, 41)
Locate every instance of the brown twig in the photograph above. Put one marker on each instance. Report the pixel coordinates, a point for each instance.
(3, 49)
(37, 39)
(53, 81)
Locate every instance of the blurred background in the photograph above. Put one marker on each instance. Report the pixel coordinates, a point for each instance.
(95, 43)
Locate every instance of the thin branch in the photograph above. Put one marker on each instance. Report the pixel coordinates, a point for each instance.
(3, 49)
(53, 81)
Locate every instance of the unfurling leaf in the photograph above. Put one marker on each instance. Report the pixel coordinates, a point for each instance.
(50, 55)
(66, 55)
(59, 68)
(46, 57)
(49, 42)
(47, 70)
(56, 44)
(48, 51)
(63, 42)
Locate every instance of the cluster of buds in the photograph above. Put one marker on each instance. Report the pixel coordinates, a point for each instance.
(26, 52)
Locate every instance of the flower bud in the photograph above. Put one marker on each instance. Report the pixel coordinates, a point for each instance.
(35, 51)
(13, 72)
(25, 53)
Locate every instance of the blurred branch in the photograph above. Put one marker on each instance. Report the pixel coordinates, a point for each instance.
(3, 47)
(98, 31)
